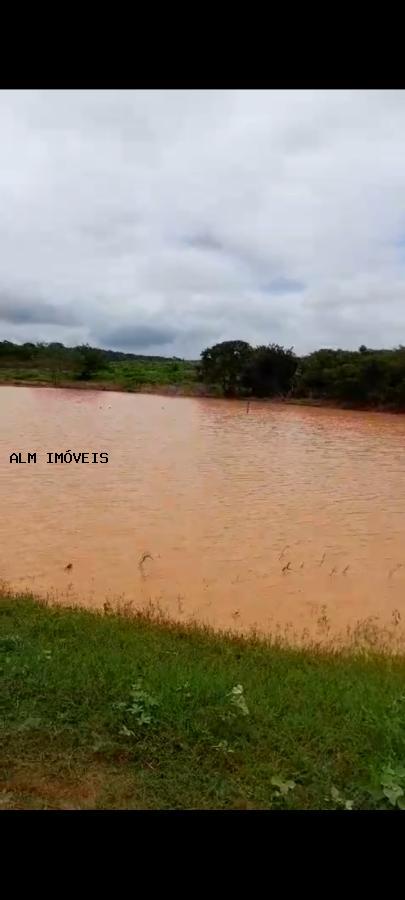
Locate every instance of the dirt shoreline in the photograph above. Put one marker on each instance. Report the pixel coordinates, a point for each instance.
(198, 390)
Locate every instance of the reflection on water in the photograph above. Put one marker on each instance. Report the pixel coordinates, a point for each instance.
(284, 515)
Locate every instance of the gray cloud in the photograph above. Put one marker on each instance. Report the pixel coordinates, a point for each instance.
(171, 219)
(19, 311)
(137, 337)
(284, 286)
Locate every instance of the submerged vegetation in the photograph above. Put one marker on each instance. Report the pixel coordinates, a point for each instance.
(118, 711)
(365, 378)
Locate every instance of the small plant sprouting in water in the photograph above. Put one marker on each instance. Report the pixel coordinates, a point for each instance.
(144, 557)
(323, 621)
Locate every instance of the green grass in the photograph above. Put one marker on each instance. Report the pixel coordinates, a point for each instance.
(25, 373)
(129, 375)
(109, 711)
(161, 372)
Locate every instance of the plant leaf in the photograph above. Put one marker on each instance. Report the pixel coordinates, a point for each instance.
(238, 699)
(393, 793)
(284, 786)
(387, 780)
(127, 732)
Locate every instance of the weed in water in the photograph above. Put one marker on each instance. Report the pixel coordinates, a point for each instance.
(323, 620)
(144, 557)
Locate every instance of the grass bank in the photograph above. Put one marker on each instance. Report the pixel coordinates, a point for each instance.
(166, 377)
(133, 375)
(161, 380)
(106, 711)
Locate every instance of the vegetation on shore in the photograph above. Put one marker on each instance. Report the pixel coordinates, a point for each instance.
(361, 379)
(364, 378)
(110, 711)
(57, 365)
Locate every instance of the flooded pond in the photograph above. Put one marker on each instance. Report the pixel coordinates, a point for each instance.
(282, 517)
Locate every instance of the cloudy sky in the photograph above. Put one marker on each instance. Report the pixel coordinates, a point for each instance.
(165, 221)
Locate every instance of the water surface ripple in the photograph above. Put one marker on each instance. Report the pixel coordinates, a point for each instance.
(284, 516)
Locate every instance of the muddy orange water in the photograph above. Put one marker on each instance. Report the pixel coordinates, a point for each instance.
(281, 517)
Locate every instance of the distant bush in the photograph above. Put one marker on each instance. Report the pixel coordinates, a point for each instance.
(241, 369)
(364, 377)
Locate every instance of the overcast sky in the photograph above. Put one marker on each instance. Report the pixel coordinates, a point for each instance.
(165, 221)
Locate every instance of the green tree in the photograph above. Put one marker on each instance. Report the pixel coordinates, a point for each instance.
(89, 360)
(269, 370)
(224, 364)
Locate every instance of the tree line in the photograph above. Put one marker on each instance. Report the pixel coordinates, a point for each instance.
(364, 377)
(77, 363)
